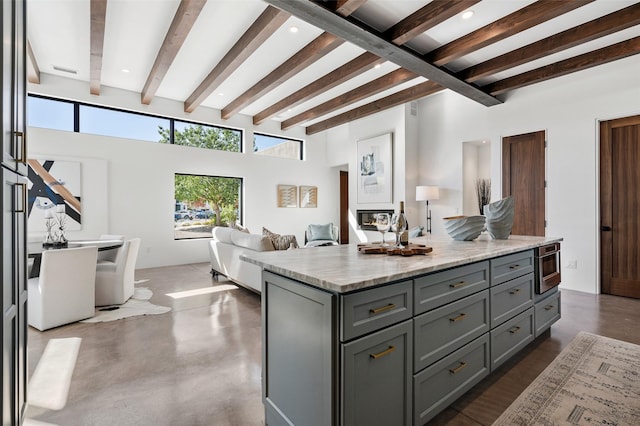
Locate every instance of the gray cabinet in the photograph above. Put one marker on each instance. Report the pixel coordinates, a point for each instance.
(397, 353)
(14, 213)
(376, 379)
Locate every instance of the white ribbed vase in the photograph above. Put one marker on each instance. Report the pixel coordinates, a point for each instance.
(500, 218)
(464, 228)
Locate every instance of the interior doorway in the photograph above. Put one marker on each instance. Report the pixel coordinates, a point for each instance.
(344, 207)
(619, 206)
(523, 178)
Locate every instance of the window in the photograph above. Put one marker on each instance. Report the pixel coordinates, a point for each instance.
(121, 124)
(203, 136)
(277, 146)
(50, 113)
(202, 202)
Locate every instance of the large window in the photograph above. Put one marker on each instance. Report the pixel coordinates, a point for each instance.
(202, 202)
(50, 114)
(120, 124)
(77, 117)
(277, 146)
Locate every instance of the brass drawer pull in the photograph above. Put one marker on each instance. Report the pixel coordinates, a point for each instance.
(548, 307)
(458, 368)
(458, 285)
(514, 330)
(21, 147)
(383, 353)
(514, 266)
(458, 318)
(383, 308)
(516, 291)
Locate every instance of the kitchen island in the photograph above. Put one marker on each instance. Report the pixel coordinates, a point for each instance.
(351, 338)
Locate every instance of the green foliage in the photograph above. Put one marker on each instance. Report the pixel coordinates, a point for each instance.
(218, 192)
(200, 136)
(228, 214)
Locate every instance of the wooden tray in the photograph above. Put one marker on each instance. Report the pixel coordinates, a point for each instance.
(410, 250)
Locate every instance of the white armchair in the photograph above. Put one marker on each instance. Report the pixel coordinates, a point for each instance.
(64, 292)
(114, 280)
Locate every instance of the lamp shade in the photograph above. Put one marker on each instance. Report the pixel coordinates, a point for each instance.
(426, 193)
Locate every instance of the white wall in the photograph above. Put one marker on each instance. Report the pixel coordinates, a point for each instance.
(569, 109)
(342, 149)
(139, 176)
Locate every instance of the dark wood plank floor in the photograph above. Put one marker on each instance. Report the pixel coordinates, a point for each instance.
(200, 363)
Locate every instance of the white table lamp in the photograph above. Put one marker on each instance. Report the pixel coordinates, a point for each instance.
(426, 193)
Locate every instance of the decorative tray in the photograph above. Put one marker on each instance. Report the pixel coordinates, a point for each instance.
(410, 250)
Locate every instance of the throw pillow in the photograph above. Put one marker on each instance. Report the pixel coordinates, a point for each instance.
(320, 232)
(281, 242)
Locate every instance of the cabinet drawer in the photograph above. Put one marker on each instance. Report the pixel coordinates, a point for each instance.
(508, 338)
(437, 386)
(376, 379)
(371, 310)
(439, 332)
(443, 287)
(547, 312)
(508, 267)
(511, 298)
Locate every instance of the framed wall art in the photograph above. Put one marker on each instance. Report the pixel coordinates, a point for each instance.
(308, 196)
(375, 169)
(287, 196)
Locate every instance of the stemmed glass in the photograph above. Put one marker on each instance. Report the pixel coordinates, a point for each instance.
(383, 224)
(398, 226)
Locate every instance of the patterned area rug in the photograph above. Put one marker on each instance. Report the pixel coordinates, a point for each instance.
(137, 305)
(594, 380)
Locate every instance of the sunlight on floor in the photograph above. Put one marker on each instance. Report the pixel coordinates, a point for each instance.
(200, 291)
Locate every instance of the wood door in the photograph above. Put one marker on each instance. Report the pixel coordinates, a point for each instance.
(344, 207)
(619, 206)
(523, 178)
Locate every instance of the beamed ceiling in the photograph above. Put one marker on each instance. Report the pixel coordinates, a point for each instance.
(348, 59)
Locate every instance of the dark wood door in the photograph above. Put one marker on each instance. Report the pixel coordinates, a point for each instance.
(523, 178)
(619, 206)
(344, 207)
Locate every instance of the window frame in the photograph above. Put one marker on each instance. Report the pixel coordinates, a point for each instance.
(284, 138)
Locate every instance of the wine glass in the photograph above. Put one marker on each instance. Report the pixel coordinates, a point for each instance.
(383, 224)
(398, 226)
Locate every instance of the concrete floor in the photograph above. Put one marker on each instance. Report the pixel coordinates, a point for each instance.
(200, 363)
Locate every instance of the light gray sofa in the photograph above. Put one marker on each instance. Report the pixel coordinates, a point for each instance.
(225, 249)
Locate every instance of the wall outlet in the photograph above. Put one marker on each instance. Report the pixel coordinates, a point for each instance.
(572, 264)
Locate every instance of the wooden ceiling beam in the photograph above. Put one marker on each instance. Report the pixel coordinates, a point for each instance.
(518, 21)
(407, 95)
(417, 23)
(378, 85)
(98, 17)
(578, 63)
(270, 20)
(600, 27)
(347, 7)
(427, 17)
(183, 21)
(33, 71)
(351, 30)
(334, 78)
(313, 51)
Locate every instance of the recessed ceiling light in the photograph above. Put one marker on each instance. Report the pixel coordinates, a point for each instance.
(467, 15)
(293, 29)
(125, 70)
(376, 66)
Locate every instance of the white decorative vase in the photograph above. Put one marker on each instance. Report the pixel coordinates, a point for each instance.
(500, 218)
(464, 228)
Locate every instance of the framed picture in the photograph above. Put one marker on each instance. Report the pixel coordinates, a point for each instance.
(375, 170)
(308, 196)
(287, 196)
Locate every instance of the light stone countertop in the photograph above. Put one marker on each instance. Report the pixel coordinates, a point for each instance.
(342, 269)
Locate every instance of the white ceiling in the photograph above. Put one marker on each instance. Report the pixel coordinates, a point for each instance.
(58, 31)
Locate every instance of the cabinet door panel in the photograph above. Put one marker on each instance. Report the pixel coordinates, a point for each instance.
(511, 298)
(376, 381)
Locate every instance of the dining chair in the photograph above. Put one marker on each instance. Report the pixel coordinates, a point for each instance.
(109, 255)
(64, 292)
(114, 280)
